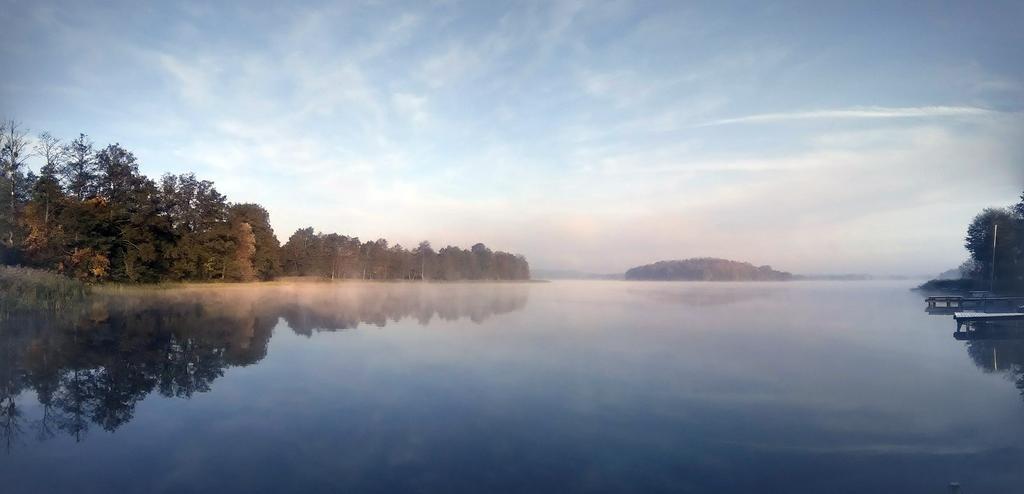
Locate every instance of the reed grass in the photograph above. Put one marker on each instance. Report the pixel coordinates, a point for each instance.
(25, 289)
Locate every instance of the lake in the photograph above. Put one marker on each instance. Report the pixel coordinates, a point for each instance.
(588, 386)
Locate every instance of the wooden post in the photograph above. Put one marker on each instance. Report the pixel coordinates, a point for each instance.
(995, 235)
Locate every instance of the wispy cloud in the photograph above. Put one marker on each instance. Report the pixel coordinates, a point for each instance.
(628, 133)
(861, 112)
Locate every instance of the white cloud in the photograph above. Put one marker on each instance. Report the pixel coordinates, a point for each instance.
(445, 68)
(411, 107)
(193, 79)
(864, 112)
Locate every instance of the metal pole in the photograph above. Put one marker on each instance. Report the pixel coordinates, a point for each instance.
(995, 235)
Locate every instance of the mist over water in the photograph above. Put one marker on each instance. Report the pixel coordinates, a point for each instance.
(596, 386)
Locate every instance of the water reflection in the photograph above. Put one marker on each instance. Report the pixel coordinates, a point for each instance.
(91, 369)
(998, 350)
(996, 347)
(591, 387)
(701, 294)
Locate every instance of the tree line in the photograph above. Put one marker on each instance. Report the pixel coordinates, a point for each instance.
(330, 255)
(995, 241)
(90, 214)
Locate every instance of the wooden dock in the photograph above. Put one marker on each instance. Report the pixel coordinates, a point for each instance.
(946, 302)
(969, 318)
(990, 333)
(957, 302)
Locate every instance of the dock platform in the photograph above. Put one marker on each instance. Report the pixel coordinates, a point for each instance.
(967, 318)
(943, 302)
(956, 301)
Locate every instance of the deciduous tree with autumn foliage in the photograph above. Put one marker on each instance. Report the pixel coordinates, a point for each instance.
(90, 214)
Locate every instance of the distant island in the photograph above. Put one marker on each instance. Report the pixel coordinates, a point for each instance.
(706, 269)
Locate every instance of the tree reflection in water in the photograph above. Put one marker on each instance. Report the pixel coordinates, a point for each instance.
(1000, 350)
(94, 366)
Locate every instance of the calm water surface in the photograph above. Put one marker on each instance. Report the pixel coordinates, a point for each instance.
(554, 387)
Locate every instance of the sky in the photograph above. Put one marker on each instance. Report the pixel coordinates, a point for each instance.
(817, 137)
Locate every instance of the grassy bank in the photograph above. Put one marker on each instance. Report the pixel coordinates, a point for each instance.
(32, 289)
(25, 289)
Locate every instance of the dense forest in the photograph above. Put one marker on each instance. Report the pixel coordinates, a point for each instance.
(90, 214)
(706, 269)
